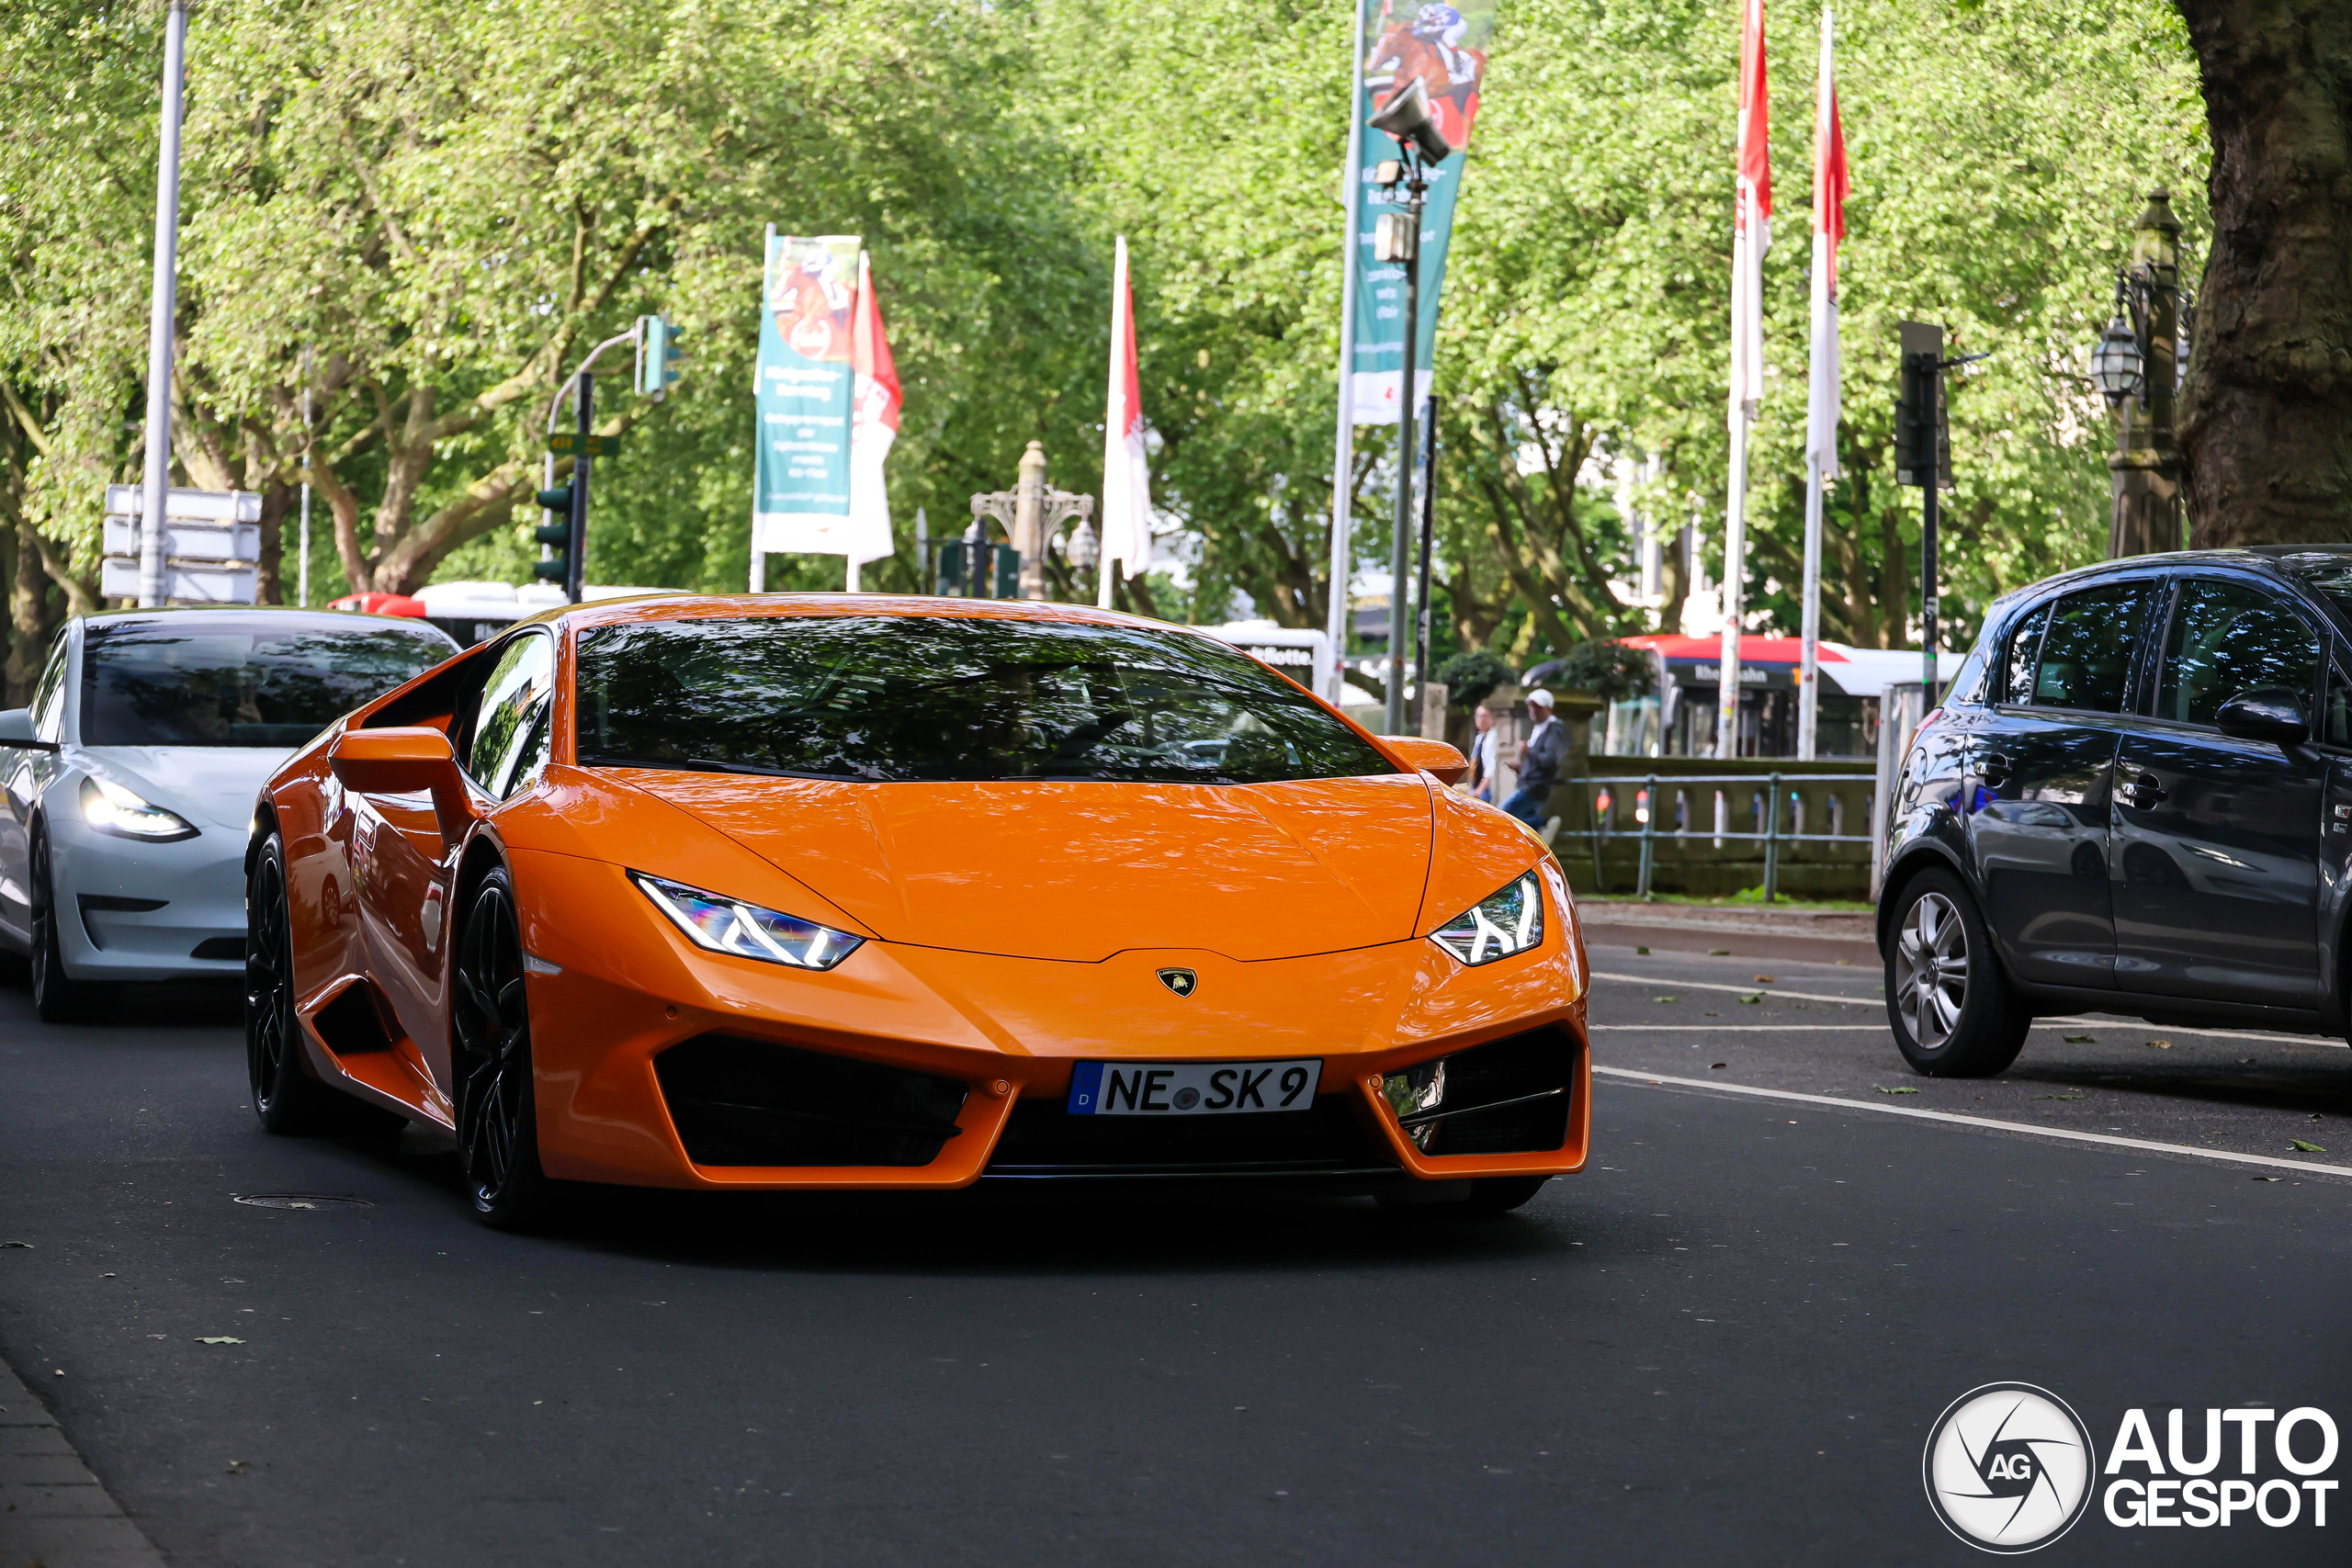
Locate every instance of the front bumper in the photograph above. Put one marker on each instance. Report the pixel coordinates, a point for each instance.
(132, 910)
(975, 1051)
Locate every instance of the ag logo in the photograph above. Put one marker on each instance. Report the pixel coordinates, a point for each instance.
(1180, 981)
(2008, 1467)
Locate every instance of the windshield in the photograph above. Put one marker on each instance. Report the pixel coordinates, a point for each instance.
(903, 698)
(198, 680)
(2328, 575)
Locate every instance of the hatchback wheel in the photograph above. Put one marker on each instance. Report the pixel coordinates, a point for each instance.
(1952, 1007)
(498, 1128)
(57, 998)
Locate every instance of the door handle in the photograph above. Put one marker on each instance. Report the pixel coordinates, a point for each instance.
(1994, 769)
(2143, 793)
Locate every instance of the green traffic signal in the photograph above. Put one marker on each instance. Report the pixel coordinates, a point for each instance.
(558, 498)
(559, 535)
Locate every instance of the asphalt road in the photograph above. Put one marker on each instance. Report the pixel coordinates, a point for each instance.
(1725, 1343)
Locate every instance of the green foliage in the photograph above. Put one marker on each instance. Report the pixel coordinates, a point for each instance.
(1470, 677)
(1606, 668)
(448, 202)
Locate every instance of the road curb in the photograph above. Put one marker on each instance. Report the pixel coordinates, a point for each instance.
(52, 1510)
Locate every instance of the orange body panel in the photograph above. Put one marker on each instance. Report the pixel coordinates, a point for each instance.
(1013, 929)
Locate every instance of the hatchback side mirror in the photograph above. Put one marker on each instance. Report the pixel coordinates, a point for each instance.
(404, 762)
(1434, 757)
(2271, 713)
(16, 731)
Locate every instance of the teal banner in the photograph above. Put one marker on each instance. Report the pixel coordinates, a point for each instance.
(1445, 46)
(807, 311)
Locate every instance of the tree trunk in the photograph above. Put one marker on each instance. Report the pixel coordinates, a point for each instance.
(2267, 428)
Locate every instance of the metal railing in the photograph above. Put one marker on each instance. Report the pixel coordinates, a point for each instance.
(1603, 803)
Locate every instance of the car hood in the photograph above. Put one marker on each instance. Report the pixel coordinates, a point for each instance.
(1080, 871)
(212, 786)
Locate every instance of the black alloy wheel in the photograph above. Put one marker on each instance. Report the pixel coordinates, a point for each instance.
(286, 1098)
(57, 998)
(1954, 1013)
(498, 1134)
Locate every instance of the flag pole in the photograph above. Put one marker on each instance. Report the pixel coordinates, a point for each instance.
(1344, 459)
(1822, 393)
(759, 556)
(1750, 236)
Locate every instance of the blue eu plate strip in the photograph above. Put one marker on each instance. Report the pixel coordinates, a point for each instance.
(1085, 1088)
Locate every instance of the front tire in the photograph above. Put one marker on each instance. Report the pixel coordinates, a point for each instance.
(57, 996)
(1952, 1007)
(288, 1101)
(498, 1126)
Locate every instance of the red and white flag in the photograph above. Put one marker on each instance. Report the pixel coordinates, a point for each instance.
(1752, 233)
(874, 425)
(1126, 474)
(1830, 184)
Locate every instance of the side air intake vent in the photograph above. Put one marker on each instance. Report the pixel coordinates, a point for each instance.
(1506, 1097)
(737, 1102)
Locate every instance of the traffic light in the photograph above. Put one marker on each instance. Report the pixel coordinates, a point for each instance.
(556, 535)
(659, 355)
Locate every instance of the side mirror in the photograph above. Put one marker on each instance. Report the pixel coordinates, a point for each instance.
(404, 762)
(17, 730)
(2271, 714)
(1434, 757)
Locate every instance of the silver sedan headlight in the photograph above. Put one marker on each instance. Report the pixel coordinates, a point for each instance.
(110, 809)
(1506, 921)
(747, 931)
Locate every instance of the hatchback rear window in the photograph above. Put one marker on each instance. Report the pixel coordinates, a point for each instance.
(902, 698)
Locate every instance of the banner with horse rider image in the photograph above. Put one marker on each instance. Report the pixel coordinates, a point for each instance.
(805, 387)
(1444, 46)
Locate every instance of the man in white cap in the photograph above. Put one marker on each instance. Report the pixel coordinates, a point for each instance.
(1539, 768)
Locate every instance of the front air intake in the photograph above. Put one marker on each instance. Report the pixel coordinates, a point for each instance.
(738, 1102)
(1507, 1097)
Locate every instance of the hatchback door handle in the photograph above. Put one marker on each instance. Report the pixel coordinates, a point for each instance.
(1994, 769)
(2143, 792)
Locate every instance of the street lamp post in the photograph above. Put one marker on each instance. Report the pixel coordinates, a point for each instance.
(2137, 365)
(1397, 238)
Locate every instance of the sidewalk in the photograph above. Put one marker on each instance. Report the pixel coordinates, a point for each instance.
(53, 1513)
(1743, 931)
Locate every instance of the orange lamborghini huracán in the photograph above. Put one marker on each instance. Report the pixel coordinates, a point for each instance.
(781, 891)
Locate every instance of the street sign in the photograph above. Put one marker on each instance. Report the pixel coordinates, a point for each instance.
(211, 543)
(183, 583)
(189, 505)
(566, 443)
(187, 541)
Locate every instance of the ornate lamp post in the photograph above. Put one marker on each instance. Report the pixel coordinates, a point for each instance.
(2138, 363)
(1030, 514)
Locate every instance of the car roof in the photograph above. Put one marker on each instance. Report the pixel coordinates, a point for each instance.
(707, 606)
(280, 613)
(2276, 560)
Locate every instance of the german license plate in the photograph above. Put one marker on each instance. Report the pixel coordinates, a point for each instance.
(1192, 1089)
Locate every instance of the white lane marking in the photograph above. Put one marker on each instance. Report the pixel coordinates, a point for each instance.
(2108, 1139)
(1744, 991)
(2071, 1021)
(1733, 1027)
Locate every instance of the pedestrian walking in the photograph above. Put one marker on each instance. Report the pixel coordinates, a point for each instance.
(1484, 745)
(1540, 761)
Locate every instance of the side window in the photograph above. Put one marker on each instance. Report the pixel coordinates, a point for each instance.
(2228, 638)
(2338, 729)
(510, 728)
(49, 696)
(2017, 663)
(2084, 661)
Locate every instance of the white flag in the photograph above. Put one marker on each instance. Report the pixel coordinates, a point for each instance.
(1830, 184)
(1126, 473)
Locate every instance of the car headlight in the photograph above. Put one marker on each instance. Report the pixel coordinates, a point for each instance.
(110, 809)
(747, 931)
(1506, 921)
